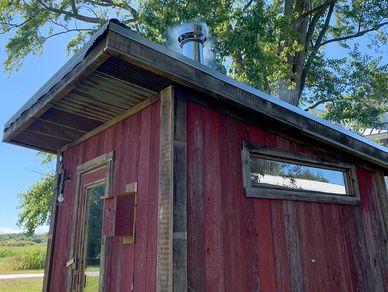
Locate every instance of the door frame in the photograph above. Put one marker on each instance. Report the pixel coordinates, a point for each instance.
(105, 160)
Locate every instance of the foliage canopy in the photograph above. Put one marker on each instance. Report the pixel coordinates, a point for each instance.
(276, 46)
(35, 203)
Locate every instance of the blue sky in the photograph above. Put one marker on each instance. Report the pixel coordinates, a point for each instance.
(20, 167)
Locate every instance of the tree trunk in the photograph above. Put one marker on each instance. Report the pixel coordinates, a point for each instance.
(290, 90)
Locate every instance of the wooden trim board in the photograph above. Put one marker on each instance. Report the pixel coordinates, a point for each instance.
(53, 223)
(164, 272)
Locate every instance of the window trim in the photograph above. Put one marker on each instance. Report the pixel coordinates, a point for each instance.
(352, 196)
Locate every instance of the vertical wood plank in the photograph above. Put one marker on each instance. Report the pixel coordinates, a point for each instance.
(127, 141)
(373, 228)
(180, 195)
(264, 246)
(165, 206)
(264, 227)
(382, 198)
(231, 208)
(214, 242)
(142, 219)
(153, 200)
(196, 274)
(282, 265)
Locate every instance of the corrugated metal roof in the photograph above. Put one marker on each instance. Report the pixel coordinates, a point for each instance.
(117, 84)
(60, 74)
(205, 69)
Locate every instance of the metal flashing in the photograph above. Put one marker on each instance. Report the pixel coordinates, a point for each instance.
(205, 69)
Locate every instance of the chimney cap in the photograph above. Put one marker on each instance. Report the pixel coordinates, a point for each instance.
(193, 31)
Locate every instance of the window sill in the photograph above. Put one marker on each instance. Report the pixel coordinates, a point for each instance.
(282, 194)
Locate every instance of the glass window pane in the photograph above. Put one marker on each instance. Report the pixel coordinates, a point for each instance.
(94, 233)
(297, 176)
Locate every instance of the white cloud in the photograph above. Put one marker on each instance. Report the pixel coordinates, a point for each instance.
(4, 229)
(10, 230)
(42, 229)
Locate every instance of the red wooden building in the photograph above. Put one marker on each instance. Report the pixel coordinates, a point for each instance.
(171, 176)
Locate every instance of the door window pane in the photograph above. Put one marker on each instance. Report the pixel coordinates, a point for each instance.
(93, 236)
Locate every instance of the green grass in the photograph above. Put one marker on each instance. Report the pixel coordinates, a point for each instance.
(91, 284)
(20, 254)
(22, 285)
(16, 254)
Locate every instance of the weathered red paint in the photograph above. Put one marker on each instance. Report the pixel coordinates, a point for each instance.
(246, 244)
(135, 142)
(234, 243)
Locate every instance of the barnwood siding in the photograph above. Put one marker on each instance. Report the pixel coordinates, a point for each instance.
(247, 244)
(135, 142)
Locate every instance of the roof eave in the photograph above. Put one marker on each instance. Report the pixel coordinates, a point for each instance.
(134, 49)
(94, 58)
(180, 70)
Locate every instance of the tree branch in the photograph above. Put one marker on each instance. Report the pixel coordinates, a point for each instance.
(66, 31)
(322, 6)
(73, 7)
(247, 5)
(312, 26)
(319, 102)
(316, 46)
(70, 14)
(14, 25)
(122, 5)
(355, 35)
(323, 30)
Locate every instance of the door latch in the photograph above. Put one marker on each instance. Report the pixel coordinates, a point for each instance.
(70, 262)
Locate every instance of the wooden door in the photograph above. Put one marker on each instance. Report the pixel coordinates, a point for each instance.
(88, 250)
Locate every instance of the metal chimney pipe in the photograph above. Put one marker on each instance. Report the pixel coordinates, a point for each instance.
(192, 38)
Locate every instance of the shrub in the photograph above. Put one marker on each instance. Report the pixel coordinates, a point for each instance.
(6, 252)
(33, 258)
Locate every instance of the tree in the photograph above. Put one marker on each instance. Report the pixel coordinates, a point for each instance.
(277, 46)
(35, 204)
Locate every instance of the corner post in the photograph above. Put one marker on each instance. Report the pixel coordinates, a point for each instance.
(172, 202)
(53, 223)
(165, 194)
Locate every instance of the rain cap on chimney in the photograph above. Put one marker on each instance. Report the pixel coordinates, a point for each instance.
(192, 38)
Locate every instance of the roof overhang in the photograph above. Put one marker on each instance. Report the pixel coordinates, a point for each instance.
(118, 70)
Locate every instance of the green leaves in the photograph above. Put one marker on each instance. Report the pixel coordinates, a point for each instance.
(364, 98)
(35, 204)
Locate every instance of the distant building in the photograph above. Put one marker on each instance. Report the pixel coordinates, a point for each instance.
(379, 134)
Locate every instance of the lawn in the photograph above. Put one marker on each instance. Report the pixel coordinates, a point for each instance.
(6, 267)
(21, 285)
(91, 284)
(26, 255)
(20, 255)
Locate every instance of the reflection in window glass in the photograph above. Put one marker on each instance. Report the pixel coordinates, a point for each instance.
(297, 176)
(94, 233)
